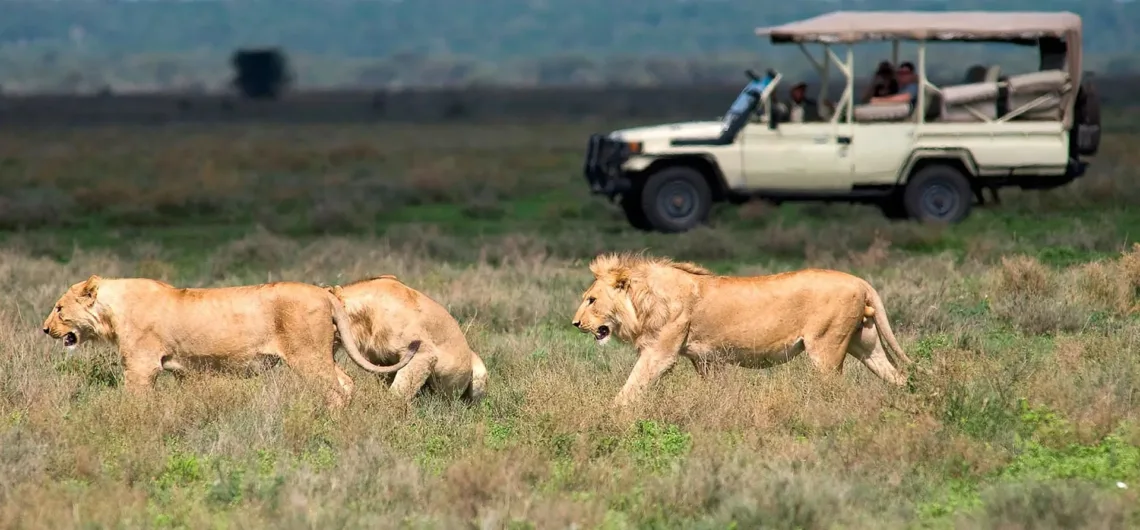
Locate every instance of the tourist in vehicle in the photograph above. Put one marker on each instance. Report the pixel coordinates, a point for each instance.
(907, 86)
(802, 108)
(883, 83)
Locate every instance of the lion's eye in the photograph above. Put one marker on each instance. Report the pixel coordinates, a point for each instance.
(590, 300)
(58, 309)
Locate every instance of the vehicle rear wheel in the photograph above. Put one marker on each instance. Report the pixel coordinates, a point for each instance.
(676, 199)
(938, 194)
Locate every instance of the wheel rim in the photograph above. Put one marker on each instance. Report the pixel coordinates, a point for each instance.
(940, 201)
(677, 200)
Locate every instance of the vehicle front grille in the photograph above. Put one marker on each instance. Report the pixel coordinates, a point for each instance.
(603, 161)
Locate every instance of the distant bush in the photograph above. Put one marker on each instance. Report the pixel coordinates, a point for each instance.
(261, 74)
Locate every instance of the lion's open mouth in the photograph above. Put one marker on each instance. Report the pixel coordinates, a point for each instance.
(70, 339)
(602, 334)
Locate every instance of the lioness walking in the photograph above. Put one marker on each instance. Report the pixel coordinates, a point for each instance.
(668, 309)
(157, 326)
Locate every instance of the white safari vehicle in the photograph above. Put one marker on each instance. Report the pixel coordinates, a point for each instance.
(929, 160)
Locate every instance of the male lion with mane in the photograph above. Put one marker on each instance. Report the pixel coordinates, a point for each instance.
(669, 309)
(157, 326)
(385, 314)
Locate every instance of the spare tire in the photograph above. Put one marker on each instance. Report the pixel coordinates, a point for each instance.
(1086, 118)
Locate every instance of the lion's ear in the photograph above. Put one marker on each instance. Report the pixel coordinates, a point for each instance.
(90, 287)
(618, 278)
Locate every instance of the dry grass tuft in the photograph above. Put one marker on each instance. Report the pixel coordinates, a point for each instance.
(1032, 298)
(876, 254)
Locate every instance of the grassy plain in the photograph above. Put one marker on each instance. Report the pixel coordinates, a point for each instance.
(1024, 315)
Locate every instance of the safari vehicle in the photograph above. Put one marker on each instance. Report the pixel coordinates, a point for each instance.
(928, 161)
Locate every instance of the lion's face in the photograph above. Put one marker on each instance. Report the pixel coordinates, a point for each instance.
(597, 313)
(73, 319)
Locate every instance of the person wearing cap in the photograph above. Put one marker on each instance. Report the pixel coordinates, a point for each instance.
(801, 108)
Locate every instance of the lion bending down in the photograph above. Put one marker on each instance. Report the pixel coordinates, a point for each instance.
(670, 309)
(385, 314)
(160, 327)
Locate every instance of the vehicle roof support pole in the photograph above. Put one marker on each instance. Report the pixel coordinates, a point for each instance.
(850, 84)
(824, 75)
(920, 105)
(848, 96)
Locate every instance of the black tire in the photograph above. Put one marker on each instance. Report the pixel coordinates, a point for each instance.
(676, 199)
(938, 194)
(631, 205)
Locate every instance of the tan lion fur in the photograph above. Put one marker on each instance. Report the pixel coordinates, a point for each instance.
(157, 326)
(386, 315)
(668, 310)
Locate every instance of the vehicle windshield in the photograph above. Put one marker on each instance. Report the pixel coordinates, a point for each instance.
(740, 105)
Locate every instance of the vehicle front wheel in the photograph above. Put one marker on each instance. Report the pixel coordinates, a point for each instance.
(676, 199)
(938, 194)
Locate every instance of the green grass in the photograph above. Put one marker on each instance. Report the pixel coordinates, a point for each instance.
(1022, 314)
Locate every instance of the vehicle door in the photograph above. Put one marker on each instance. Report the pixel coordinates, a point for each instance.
(880, 149)
(811, 156)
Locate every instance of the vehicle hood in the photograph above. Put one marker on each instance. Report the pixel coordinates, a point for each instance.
(690, 129)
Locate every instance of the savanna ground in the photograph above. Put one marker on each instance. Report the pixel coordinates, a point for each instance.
(1023, 315)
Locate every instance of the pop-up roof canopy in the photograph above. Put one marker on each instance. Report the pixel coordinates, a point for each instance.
(855, 26)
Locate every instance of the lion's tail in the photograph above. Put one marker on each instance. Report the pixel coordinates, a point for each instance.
(884, 325)
(348, 340)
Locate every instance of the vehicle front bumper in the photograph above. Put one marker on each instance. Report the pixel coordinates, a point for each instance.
(603, 171)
